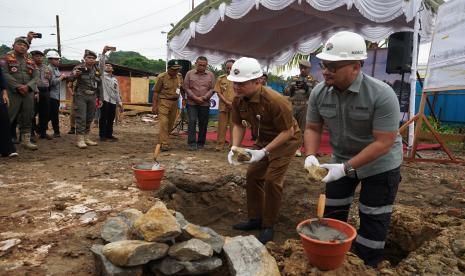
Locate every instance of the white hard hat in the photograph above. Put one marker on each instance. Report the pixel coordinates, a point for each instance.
(53, 54)
(344, 46)
(245, 69)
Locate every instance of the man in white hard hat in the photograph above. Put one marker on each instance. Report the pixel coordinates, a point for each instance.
(278, 136)
(55, 88)
(362, 115)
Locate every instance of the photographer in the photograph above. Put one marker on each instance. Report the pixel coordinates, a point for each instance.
(298, 91)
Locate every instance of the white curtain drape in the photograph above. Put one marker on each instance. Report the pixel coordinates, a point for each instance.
(384, 15)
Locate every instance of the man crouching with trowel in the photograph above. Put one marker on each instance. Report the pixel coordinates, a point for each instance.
(278, 136)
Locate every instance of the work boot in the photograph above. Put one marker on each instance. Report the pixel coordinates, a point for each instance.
(72, 131)
(89, 142)
(80, 142)
(252, 224)
(26, 142)
(266, 235)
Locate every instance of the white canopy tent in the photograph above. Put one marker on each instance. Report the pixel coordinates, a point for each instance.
(273, 31)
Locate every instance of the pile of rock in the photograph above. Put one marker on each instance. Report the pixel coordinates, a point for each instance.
(163, 242)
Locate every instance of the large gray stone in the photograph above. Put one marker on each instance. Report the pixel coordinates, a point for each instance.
(130, 216)
(104, 267)
(191, 250)
(158, 224)
(201, 267)
(248, 257)
(167, 266)
(204, 234)
(134, 252)
(171, 266)
(116, 229)
(181, 220)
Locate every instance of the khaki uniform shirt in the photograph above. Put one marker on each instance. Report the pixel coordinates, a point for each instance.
(268, 113)
(88, 81)
(168, 87)
(19, 70)
(224, 87)
(299, 96)
(352, 116)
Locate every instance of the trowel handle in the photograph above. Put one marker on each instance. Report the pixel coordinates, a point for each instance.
(156, 152)
(321, 206)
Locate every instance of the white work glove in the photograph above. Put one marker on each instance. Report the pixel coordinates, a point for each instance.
(335, 172)
(230, 157)
(257, 155)
(311, 161)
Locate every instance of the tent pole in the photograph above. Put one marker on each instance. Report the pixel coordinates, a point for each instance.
(413, 83)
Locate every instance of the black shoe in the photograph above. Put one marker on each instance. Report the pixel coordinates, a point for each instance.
(56, 135)
(192, 147)
(72, 131)
(200, 146)
(103, 139)
(112, 139)
(266, 235)
(45, 136)
(252, 224)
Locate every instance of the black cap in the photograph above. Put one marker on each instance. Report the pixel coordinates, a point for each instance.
(174, 64)
(37, 52)
(89, 53)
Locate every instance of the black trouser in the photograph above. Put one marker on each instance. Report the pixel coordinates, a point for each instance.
(41, 107)
(6, 145)
(200, 114)
(377, 196)
(54, 110)
(107, 116)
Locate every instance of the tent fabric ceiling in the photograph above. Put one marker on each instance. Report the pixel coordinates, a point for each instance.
(274, 30)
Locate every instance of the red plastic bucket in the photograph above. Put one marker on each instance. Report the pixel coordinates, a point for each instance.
(328, 255)
(148, 179)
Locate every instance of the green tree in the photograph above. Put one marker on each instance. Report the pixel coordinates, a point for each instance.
(4, 49)
(137, 61)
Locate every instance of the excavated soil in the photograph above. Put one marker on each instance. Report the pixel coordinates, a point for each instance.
(44, 195)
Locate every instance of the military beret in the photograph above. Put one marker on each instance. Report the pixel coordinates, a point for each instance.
(89, 53)
(22, 39)
(174, 64)
(37, 52)
(305, 63)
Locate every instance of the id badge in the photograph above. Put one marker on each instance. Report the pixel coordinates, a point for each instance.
(178, 91)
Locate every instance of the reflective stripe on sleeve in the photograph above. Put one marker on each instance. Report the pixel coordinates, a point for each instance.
(375, 210)
(370, 243)
(339, 201)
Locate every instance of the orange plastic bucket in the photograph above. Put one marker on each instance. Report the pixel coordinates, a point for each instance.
(147, 179)
(327, 255)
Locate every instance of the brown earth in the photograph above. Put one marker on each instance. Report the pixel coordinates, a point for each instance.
(43, 192)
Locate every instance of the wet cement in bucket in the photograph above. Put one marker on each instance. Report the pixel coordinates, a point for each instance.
(147, 166)
(318, 230)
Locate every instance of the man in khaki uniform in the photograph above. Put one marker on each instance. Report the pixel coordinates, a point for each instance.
(298, 91)
(224, 89)
(165, 101)
(21, 76)
(278, 137)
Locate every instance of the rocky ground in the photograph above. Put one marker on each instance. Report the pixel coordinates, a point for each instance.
(54, 201)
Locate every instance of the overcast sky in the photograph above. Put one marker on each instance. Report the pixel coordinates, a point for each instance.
(132, 25)
(84, 24)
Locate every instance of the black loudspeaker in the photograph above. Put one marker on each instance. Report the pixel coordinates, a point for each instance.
(399, 56)
(186, 66)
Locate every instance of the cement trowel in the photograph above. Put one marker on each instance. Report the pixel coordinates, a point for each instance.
(156, 152)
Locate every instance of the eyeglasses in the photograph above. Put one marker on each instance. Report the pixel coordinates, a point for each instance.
(333, 66)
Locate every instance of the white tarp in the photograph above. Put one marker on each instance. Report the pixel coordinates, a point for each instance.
(446, 64)
(274, 30)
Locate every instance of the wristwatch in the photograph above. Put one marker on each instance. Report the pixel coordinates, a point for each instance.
(349, 171)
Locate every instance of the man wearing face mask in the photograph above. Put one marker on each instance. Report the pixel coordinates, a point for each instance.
(362, 115)
(88, 89)
(278, 136)
(225, 91)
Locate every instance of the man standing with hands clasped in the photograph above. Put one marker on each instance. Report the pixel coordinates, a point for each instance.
(278, 136)
(362, 115)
